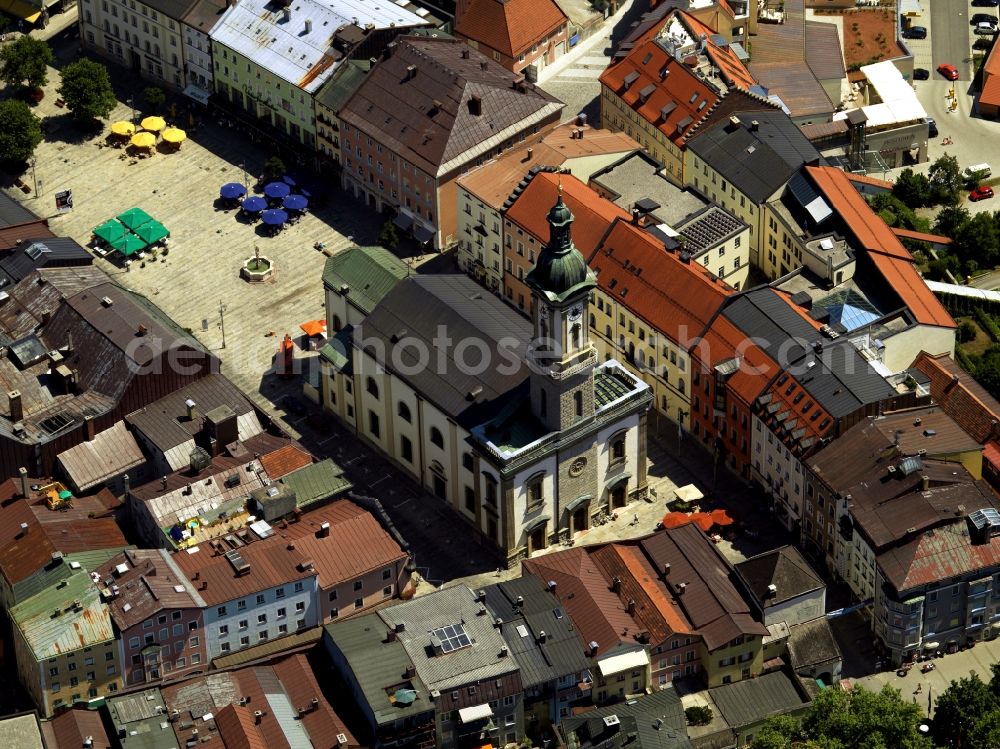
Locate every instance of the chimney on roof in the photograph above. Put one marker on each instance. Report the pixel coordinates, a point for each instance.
(666, 569)
(754, 126)
(23, 475)
(390, 635)
(191, 411)
(309, 25)
(680, 588)
(631, 606)
(616, 583)
(465, 54)
(925, 483)
(955, 379)
(24, 529)
(324, 530)
(551, 587)
(257, 715)
(541, 636)
(16, 406)
(89, 428)
(475, 105)
(411, 72)
(593, 647)
(286, 14)
(636, 214)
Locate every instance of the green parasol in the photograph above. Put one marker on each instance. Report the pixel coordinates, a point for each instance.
(131, 245)
(151, 231)
(110, 231)
(134, 218)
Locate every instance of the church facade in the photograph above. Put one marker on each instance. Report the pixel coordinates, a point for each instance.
(512, 423)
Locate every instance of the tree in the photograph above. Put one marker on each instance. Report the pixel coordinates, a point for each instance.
(782, 732)
(895, 212)
(86, 89)
(20, 131)
(274, 168)
(154, 97)
(388, 237)
(946, 180)
(978, 241)
(912, 188)
(26, 61)
(966, 332)
(950, 219)
(698, 715)
(959, 709)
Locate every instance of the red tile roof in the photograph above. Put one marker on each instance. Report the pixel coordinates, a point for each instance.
(508, 26)
(990, 94)
(32, 550)
(722, 341)
(960, 396)
(322, 724)
(592, 214)
(285, 460)
(677, 298)
(936, 555)
(11, 235)
(804, 422)
(920, 236)
(68, 730)
(887, 253)
(864, 179)
(691, 98)
(732, 69)
(237, 729)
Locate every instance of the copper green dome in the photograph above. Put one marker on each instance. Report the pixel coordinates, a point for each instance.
(560, 268)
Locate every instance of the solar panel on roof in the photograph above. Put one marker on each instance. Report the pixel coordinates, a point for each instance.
(450, 638)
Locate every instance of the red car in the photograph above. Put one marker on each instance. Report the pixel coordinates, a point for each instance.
(948, 70)
(981, 193)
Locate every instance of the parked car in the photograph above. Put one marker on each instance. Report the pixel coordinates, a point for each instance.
(948, 70)
(982, 42)
(978, 18)
(915, 32)
(981, 193)
(984, 29)
(932, 130)
(921, 74)
(985, 3)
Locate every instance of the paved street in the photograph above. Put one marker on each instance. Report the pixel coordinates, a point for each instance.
(950, 36)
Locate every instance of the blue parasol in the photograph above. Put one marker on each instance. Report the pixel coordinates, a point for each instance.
(295, 203)
(277, 190)
(232, 191)
(254, 204)
(275, 217)
(289, 181)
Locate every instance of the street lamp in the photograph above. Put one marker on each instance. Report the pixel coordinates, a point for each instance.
(34, 179)
(131, 103)
(243, 166)
(222, 322)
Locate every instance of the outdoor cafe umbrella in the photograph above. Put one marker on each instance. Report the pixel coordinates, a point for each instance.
(174, 135)
(277, 190)
(131, 245)
(295, 203)
(314, 328)
(232, 191)
(275, 217)
(123, 128)
(254, 204)
(153, 124)
(143, 140)
(134, 218)
(111, 231)
(290, 181)
(721, 518)
(151, 231)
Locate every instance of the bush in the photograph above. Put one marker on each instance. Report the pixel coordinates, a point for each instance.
(988, 324)
(389, 237)
(699, 715)
(966, 332)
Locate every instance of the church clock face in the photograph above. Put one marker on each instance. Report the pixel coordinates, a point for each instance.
(575, 311)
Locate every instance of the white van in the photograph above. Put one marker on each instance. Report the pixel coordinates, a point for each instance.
(985, 29)
(979, 171)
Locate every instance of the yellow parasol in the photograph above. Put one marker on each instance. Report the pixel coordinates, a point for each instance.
(144, 140)
(173, 135)
(153, 124)
(123, 128)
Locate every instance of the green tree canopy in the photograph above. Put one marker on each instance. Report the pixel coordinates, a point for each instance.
(959, 709)
(978, 240)
(20, 131)
(274, 168)
(897, 213)
(388, 237)
(25, 61)
(912, 188)
(86, 88)
(858, 719)
(154, 98)
(946, 180)
(951, 219)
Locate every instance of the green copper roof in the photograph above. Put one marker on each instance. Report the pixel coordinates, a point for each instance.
(561, 271)
(609, 387)
(316, 482)
(48, 633)
(369, 273)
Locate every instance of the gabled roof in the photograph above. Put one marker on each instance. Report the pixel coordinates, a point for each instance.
(961, 397)
(369, 273)
(421, 100)
(592, 214)
(656, 719)
(744, 703)
(758, 162)
(719, 52)
(887, 253)
(316, 482)
(74, 628)
(661, 89)
(722, 342)
(679, 299)
(508, 26)
(147, 586)
(285, 460)
(990, 95)
(936, 555)
(786, 569)
(416, 308)
(71, 728)
(12, 212)
(44, 251)
(110, 454)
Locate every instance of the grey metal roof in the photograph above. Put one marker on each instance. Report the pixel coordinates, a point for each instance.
(143, 716)
(562, 652)
(753, 700)
(638, 176)
(785, 568)
(316, 482)
(344, 81)
(657, 719)
(812, 643)
(48, 252)
(419, 616)
(835, 375)
(757, 162)
(12, 212)
(377, 665)
(416, 310)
